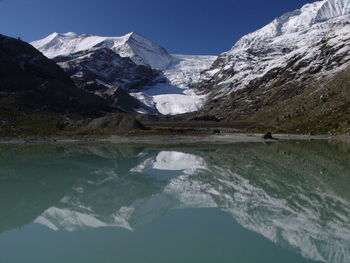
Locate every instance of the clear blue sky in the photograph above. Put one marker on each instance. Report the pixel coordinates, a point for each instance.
(181, 26)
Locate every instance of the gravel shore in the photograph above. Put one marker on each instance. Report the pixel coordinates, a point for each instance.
(172, 139)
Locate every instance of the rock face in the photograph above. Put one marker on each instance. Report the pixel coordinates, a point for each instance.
(279, 61)
(102, 65)
(103, 72)
(31, 82)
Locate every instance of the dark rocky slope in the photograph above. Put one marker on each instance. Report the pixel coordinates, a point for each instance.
(38, 98)
(31, 82)
(323, 106)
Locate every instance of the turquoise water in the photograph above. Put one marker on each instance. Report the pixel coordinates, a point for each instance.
(243, 203)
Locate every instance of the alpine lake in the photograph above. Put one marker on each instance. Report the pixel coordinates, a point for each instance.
(279, 202)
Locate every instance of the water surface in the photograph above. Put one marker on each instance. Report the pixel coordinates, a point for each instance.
(249, 203)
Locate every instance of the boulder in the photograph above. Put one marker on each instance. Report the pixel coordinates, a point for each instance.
(116, 123)
(268, 136)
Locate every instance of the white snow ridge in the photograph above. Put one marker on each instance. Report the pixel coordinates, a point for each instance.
(134, 46)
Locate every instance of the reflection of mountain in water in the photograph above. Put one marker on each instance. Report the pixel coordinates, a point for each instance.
(295, 194)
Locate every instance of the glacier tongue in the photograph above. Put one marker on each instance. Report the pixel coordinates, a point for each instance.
(175, 95)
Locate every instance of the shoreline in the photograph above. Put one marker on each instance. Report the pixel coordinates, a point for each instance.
(171, 139)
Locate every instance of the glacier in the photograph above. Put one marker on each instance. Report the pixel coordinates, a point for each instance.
(176, 95)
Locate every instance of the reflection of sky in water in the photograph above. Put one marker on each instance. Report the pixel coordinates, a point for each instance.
(292, 196)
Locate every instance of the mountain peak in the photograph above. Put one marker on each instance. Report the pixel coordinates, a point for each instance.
(70, 34)
(137, 37)
(132, 34)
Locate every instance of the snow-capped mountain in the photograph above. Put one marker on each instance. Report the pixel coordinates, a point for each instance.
(134, 46)
(161, 82)
(295, 35)
(280, 60)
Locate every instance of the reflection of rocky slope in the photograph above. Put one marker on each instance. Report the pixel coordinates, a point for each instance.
(27, 187)
(45, 174)
(119, 197)
(295, 196)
